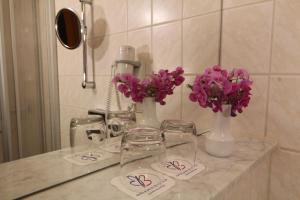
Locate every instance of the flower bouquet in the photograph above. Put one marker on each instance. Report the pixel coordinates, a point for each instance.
(226, 92)
(150, 90)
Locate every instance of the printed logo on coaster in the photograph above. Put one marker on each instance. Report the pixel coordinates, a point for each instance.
(143, 184)
(87, 157)
(179, 168)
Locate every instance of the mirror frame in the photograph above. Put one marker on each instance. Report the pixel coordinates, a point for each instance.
(80, 24)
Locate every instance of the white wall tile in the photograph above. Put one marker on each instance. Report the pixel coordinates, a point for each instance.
(286, 48)
(201, 36)
(247, 37)
(284, 110)
(73, 4)
(69, 61)
(105, 52)
(235, 3)
(166, 10)
(141, 41)
(172, 109)
(197, 7)
(139, 13)
(112, 14)
(72, 94)
(166, 46)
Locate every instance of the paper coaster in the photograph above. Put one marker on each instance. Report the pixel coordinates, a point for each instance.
(112, 146)
(88, 157)
(179, 168)
(143, 184)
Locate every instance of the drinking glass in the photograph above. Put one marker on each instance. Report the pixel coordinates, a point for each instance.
(141, 147)
(181, 134)
(118, 124)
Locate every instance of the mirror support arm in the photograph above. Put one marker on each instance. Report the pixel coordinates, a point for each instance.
(86, 83)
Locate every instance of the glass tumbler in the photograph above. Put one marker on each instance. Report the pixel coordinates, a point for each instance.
(141, 147)
(181, 136)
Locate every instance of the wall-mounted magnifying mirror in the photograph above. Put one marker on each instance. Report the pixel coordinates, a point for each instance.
(68, 28)
(71, 31)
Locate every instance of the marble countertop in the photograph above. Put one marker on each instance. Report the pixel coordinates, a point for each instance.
(32, 174)
(219, 175)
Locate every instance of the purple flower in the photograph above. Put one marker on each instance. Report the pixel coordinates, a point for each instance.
(179, 80)
(193, 97)
(217, 86)
(159, 85)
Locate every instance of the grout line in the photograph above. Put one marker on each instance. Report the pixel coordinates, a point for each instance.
(75, 107)
(201, 15)
(272, 37)
(181, 88)
(194, 74)
(276, 74)
(221, 33)
(245, 5)
(289, 150)
(151, 4)
(150, 67)
(270, 176)
(252, 74)
(140, 28)
(269, 76)
(259, 74)
(127, 8)
(190, 74)
(80, 75)
(284, 74)
(184, 18)
(150, 25)
(181, 9)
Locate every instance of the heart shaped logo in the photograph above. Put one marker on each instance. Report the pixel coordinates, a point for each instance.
(90, 158)
(140, 180)
(175, 165)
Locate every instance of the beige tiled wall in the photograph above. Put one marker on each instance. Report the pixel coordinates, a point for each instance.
(264, 37)
(165, 33)
(260, 35)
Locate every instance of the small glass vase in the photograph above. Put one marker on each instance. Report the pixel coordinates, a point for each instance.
(220, 142)
(149, 117)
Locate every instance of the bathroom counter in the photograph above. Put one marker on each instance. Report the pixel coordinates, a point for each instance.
(244, 175)
(28, 175)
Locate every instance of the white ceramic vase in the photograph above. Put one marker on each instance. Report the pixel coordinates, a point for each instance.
(149, 117)
(220, 142)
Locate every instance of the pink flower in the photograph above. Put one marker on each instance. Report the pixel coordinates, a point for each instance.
(193, 97)
(158, 85)
(202, 98)
(179, 80)
(217, 86)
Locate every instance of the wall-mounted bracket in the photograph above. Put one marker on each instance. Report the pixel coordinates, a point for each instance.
(135, 64)
(86, 83)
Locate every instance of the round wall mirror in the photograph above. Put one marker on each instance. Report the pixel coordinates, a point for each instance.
(68, 28)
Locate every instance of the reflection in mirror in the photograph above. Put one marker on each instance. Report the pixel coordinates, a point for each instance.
(68, 28)
(155, 46)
